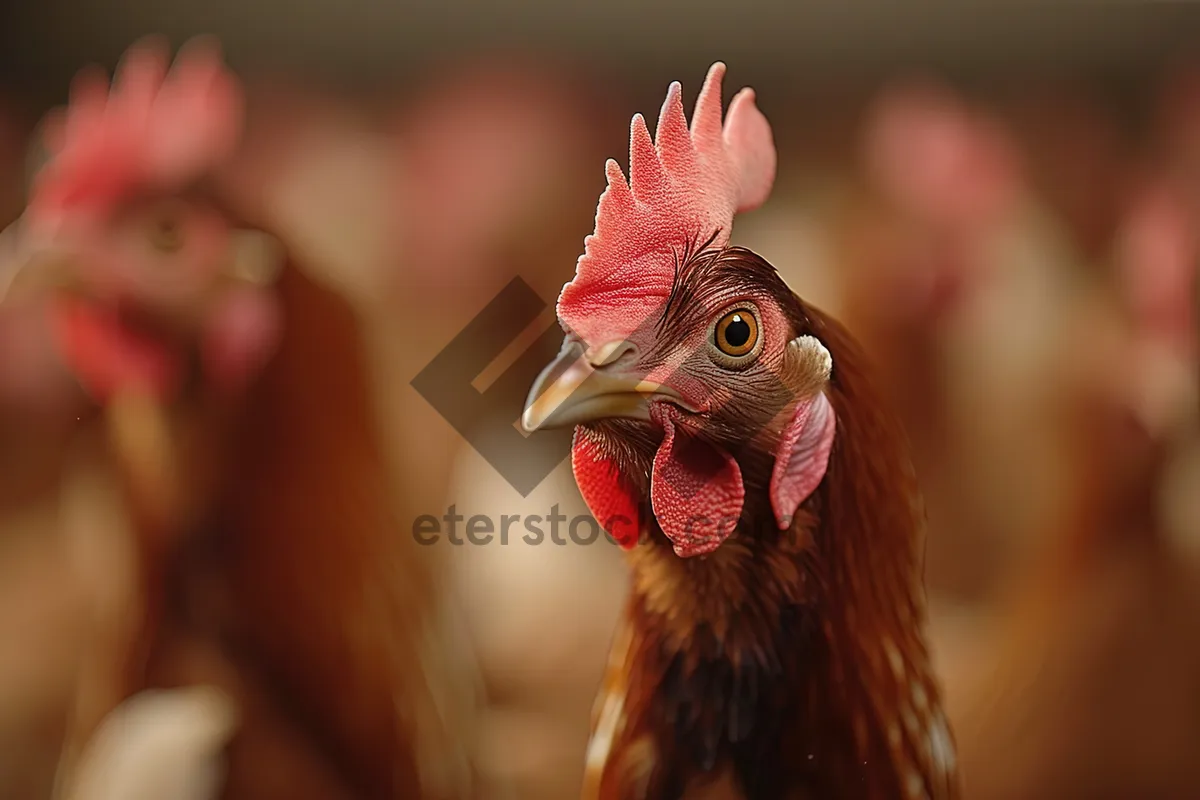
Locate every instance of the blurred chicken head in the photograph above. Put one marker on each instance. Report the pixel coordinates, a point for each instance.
(147, 273)
(483, 154)
(949, 174)
(1157, 252)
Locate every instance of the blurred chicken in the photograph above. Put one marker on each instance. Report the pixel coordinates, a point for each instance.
(1085, 682)
(256, 545)
(484, 164)
(1079, 157)
(956, 282)
(1087, 688)
(39, 400)
(1177, 153)
(40, 606)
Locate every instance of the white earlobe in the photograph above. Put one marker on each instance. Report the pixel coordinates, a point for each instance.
(810, 349)
(256, 257)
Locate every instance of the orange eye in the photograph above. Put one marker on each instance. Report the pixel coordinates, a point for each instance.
(736, 334)
(166, 234)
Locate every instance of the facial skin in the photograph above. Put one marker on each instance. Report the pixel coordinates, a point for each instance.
(146, 270)
(700, 399)
(138, 291)
(675, 357)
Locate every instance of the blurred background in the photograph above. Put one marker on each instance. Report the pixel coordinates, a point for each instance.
(1001, 201)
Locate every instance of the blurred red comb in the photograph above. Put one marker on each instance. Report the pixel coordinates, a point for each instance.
(931, 153)
(1158, 258)
(153, 130)
(686, 185)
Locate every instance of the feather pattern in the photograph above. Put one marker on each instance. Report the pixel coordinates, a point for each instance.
(790, 664)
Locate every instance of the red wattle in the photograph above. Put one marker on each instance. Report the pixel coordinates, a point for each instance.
(605, 490)
(696, 489)
(106, 355)
(242, 335)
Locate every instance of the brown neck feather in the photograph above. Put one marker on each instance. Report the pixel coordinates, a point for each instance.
(324, 601)
(798, 657)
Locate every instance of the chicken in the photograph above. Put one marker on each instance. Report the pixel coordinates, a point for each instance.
(39, 400)
(1078, 150)
(1081, 681)
(1156, 262)
(1178, 334)
(945, 249)
(260, 552)
(728, 437)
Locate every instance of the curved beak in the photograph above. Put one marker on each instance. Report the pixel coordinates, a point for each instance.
(29, 271)
(581, 387)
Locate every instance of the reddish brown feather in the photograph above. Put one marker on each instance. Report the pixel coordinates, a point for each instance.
(329, 601)
(793, 664)
(278, 569)
(296, 591)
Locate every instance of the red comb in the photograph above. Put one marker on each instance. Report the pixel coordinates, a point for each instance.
(1158, 266)
(152, 130)
(934, 156)
(684, 187)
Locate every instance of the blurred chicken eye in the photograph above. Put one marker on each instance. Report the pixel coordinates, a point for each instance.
(736, 334)
(166, 234)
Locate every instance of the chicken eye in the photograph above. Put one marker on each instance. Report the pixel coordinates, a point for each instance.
(736, 334)
(166, 234)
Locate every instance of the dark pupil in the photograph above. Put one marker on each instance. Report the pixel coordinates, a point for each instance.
(168, 234)
(737, 332)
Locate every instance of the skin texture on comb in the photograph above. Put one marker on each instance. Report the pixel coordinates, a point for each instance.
(685, 187)
(684, 181)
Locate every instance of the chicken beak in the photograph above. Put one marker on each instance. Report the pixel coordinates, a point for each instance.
(582, 387)
(28, 273)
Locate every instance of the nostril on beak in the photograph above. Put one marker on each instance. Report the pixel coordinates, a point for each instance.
(610, 353)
